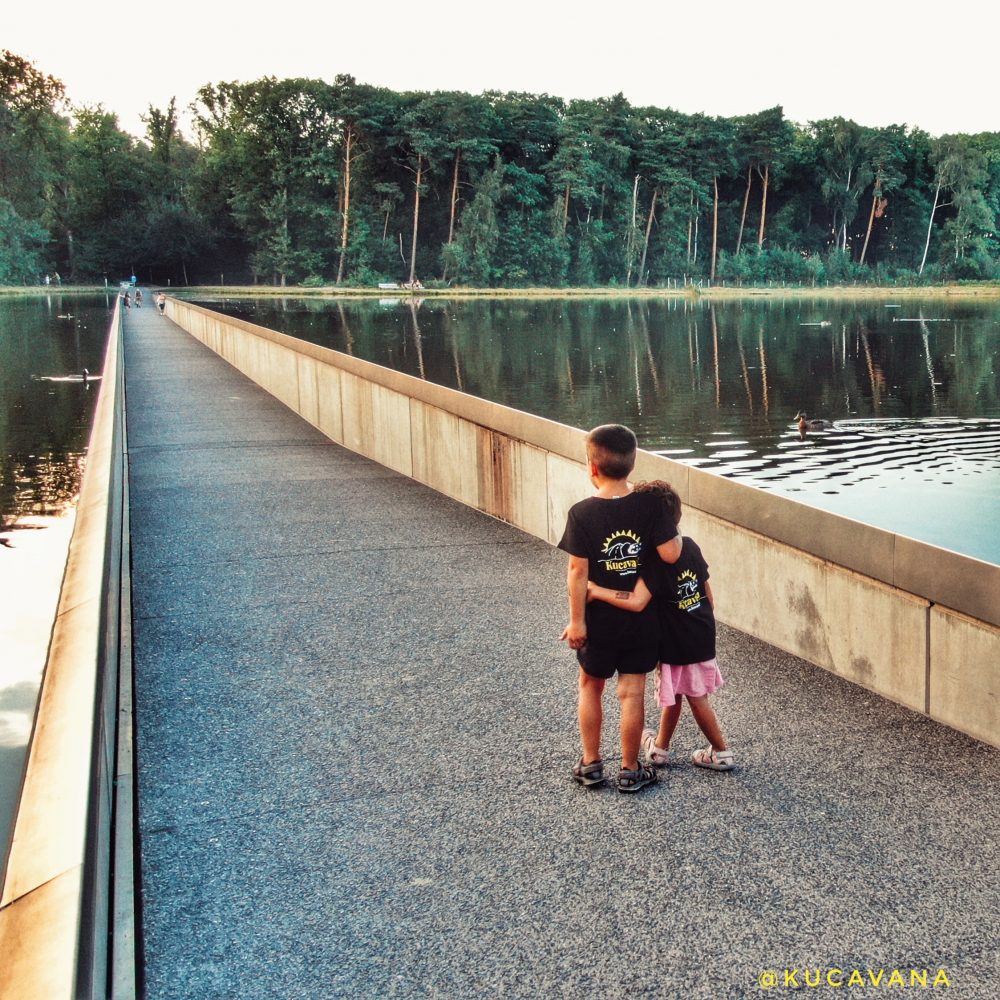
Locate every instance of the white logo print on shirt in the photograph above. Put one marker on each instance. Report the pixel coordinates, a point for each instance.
(689, 597)
(622, 551)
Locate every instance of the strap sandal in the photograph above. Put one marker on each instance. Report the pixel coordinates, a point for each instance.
(589, 775)
(654, 755)
(632, 781)
(716, 760)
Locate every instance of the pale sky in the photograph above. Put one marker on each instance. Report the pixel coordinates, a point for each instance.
(894, 62)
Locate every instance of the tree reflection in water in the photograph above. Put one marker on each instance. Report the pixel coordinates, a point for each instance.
(718, 384)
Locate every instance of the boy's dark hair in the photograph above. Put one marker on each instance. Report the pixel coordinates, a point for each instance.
(666, 493)
(611, 447)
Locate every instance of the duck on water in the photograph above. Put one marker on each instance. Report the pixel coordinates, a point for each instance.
(805, 424)
(84, 377)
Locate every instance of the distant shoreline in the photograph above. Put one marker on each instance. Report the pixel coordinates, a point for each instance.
(986, 290)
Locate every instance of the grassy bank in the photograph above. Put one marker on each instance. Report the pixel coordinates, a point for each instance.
(983, 290)
(989, 290)
(53, 289)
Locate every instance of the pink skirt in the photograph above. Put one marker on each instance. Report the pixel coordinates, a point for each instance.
(692, 679)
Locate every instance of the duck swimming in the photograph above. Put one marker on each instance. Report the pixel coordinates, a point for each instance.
(84, 377)
(805, 424)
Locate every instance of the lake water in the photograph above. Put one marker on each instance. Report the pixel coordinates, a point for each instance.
(46, 412)
(910, 389)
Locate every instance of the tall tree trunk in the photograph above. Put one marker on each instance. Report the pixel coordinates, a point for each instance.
(743, 214)
(697, 210)
(454, 203)
(347, 203)
(416, 218)
(631, 232)
(715, 227)
(690, 224)
(763, 206)
(71, 254)
(70, 246)
(645, 245)
(284, 238)
(868, 233)
(843, 240)
(566, 209)
(454, 197)
(930, 223)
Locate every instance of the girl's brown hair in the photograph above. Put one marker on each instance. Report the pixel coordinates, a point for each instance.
(666, 493)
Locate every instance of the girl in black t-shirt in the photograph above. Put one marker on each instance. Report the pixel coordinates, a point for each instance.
(688, 669)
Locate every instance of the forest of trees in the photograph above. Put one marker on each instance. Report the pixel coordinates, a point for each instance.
(306, 182)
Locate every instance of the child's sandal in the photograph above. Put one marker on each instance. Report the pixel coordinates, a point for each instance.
(589, 774)
(632, 781)
(654, 754)
(717, 760)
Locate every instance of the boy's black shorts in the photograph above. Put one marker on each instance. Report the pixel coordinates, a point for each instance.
(603, 661)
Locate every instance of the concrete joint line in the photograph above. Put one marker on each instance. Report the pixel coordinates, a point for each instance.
(927, 658)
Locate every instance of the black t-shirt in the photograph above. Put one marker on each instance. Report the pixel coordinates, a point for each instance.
(617, 538)
(687, 622)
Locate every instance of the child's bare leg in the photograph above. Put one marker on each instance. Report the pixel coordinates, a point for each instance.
(704, 715)
(668, 723)
(632, 695)
(591, 714)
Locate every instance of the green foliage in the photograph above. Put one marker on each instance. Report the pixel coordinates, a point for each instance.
(32, 150)
(297, 179)
(22, 244)
(470, 256)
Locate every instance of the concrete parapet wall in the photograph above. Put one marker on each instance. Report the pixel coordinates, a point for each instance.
(910, 621)
(841, 620)
(963, 689)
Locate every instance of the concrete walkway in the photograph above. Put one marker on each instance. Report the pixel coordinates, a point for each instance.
(355, 729)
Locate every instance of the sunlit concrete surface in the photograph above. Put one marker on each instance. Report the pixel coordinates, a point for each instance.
(355, 728)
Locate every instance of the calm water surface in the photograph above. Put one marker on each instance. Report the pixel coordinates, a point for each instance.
(46, 412)
(910, 389)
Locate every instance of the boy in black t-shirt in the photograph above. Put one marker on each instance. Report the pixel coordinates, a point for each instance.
(608, 537)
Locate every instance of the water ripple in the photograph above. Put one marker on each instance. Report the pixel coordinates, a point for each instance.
(852, 450)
